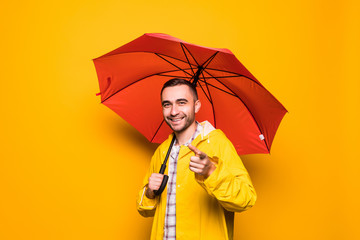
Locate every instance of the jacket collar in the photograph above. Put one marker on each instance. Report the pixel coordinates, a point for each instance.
(203, 136)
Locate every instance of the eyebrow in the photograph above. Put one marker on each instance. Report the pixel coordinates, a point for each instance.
(177, 100)
(181, 100)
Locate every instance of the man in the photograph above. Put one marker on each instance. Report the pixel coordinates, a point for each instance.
(207, 180)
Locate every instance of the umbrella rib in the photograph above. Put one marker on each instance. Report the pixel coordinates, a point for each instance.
(205, 94)
(212, 104)
(171, 57)
(174, 76)
(218, 88)
(190, 53)
(187, 59)
(134, 83)
(203, 66)
(172, 63)
(228, 76)
(208, 61)
(245, 106)
(157, 130)
(239, 75)
(165, 75)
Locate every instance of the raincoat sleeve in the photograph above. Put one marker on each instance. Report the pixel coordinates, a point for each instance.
(146, 206)
(229, 183)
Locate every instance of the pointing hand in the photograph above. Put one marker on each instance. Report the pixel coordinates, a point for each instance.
(200, 163)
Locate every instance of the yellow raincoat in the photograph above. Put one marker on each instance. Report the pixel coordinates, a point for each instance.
(204, 207)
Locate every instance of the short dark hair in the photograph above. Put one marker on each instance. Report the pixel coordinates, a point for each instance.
(179, 81)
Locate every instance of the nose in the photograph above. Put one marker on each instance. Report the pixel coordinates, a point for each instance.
(174, 110)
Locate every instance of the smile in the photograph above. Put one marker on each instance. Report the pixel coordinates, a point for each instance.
(176, 119)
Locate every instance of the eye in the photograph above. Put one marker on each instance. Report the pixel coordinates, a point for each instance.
(182, 103)
(166, 105)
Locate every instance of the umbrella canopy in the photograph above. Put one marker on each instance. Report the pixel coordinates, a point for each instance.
(233, 100)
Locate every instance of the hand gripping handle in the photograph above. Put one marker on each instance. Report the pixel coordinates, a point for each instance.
(162, 170)
(162, 186)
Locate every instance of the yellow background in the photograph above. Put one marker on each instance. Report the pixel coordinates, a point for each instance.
(71, 168)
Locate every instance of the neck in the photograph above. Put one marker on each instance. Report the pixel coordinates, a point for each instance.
(183, 136)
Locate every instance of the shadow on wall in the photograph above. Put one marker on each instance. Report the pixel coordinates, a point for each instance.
(124, 131)
(143, 229)
(252, 161)
(128, 132)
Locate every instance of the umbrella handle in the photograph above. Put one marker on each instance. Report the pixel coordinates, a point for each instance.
(162, 186)
(162, 169)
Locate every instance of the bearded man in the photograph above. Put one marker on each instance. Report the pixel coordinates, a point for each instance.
(207, 179)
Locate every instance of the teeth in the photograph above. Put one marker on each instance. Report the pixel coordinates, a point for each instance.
(175, 119)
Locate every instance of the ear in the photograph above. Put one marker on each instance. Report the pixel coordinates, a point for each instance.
(197, 105)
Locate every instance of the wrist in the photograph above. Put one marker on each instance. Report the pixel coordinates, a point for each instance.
(211, 170)
(149, 193)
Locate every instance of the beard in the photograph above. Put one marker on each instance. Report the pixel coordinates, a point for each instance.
(184, 123)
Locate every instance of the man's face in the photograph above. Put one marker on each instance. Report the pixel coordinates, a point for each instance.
(179, 107)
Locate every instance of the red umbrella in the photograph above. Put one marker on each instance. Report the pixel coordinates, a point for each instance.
(131, 77)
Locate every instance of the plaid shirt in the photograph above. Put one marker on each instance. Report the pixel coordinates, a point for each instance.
(170, 216)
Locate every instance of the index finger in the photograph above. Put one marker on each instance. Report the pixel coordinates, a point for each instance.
(197, 151)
